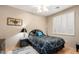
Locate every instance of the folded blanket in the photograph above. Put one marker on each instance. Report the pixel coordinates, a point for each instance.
(25, 50)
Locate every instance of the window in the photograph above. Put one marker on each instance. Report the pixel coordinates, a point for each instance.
(64, 24)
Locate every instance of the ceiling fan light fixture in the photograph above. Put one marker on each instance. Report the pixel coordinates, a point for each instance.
(41, 8)
(45, 9)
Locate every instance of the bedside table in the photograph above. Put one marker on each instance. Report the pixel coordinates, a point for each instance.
(24, 42)
(77, 46)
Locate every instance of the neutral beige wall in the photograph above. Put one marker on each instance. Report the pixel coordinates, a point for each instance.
(11, 33)
(70, 40)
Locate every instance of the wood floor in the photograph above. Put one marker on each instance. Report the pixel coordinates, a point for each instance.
(68, 51)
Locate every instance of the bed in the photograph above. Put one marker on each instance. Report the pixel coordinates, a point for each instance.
(45, 44)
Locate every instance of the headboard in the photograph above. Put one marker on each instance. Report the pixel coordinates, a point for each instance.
(33, 32)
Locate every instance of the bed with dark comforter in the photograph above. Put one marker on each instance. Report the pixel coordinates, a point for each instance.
(45, 44)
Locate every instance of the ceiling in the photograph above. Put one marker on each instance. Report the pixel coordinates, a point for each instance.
(52, 9)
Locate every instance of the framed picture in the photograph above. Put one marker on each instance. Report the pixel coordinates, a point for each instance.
(14, 21)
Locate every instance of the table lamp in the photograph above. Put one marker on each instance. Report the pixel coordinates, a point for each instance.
(24, 31)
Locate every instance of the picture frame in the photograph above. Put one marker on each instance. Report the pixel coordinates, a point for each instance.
(14, 21)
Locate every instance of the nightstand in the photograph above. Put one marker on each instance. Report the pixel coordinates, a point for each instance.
(24, 42)
(2, 45)
(77, 46)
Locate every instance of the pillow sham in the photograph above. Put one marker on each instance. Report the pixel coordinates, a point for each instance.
(39, 34)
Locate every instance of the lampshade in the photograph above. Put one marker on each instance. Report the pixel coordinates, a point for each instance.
(24, 30)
